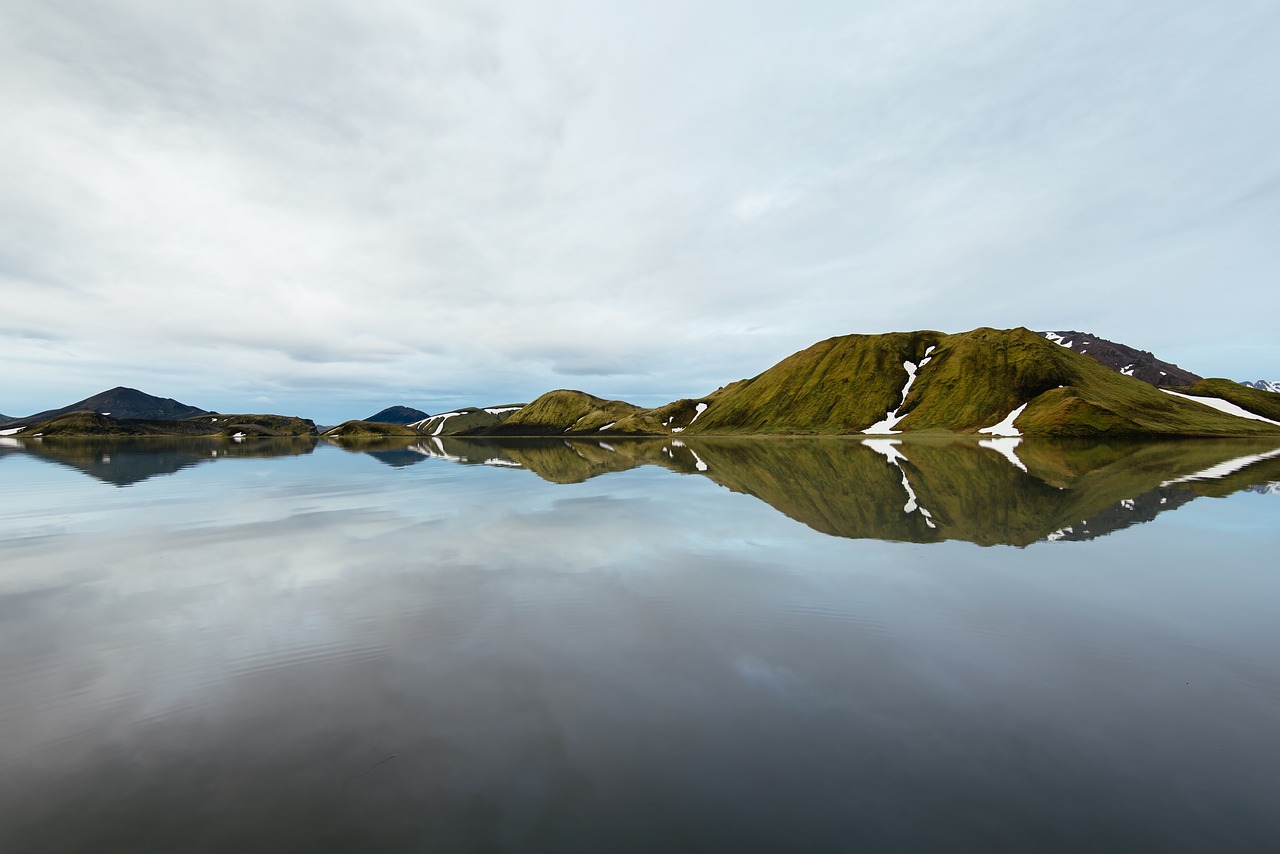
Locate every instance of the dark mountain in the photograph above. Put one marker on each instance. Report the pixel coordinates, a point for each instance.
(397, 415)
(121, 403)
(5, 419)
(1129, 361)
(1261, 385)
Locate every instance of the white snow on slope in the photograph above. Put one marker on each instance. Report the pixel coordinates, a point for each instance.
(606, 427)
(1004, 447)
(1225, 468)
(1059, 339)
(501, 409)
(9, 432)
(1222, 406)
(1005, 427)
(891, 419)
(702, 407)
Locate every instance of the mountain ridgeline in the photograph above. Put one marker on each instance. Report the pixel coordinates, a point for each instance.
(1003, 382)
(999, 382)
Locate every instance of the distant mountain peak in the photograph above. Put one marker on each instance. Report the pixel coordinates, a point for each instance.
(1263, 385)
(397, 415)
(1130, 361)
(122, 402)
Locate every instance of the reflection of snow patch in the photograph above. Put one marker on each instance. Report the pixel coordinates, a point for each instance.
(1005, 427)
(887, 448)
(498, 461)
(1225, 468)
(1222, 406)
(1060, 533)
(1004, 447)
(1127, 503)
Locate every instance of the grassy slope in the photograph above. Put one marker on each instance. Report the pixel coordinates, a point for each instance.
(973, 380)
(1257, 401)
(358, 430)
(89, 424)
(566, 410)
(841, 385)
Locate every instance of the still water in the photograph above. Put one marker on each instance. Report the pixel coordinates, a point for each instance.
(790, 645)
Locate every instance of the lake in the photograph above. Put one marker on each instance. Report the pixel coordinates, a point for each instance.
(660, 645)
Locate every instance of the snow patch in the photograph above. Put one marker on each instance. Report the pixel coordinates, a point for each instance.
(1005, 427)
(1224, 406)
(891, 418)
(10, 431)
(606, 427)
(701, 407)
(501, 409)
(1127, 370)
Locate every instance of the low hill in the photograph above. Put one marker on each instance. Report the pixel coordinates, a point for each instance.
(92, 424)
(468, 419)
(1130, 361)
(363, 430)
(397, 415)
(121, 402)
(569, 411)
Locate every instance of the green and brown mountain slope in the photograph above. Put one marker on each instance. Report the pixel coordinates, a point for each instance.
(566, 410)
(89, 424)
(1257, 401)
(1010, 381)
(962, 383)
(467, 419)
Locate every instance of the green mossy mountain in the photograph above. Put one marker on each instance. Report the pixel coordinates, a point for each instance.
(467, 419)
(90, 424)
(1257, 401)
(963, 383)
(360, 430)
(566, 410)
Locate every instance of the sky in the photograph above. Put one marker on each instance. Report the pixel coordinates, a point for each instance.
(325, 207)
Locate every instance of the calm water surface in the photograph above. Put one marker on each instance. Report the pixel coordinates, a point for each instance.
(796, 645)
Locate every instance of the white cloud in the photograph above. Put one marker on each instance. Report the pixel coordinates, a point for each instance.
(388, 202)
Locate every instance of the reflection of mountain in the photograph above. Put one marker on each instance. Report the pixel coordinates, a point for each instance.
(925, 491)
(124, 461)
(1001, 491)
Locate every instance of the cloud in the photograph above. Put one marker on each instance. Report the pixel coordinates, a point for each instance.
(428, 199)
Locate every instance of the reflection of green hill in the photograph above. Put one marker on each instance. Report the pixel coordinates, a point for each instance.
(127, 461)
(926, 490)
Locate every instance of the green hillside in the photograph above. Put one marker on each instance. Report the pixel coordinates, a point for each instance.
(967, 381)
(566, 410)
(89, 424)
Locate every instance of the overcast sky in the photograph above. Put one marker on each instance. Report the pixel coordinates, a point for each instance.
(324, 207)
